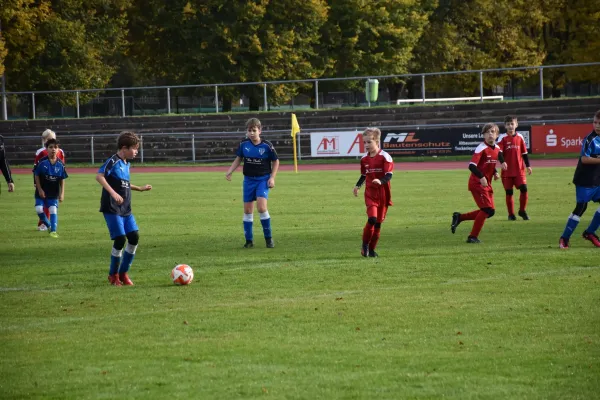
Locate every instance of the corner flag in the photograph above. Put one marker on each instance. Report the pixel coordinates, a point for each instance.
(295, 130)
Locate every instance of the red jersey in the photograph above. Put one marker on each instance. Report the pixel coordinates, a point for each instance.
(485, 158)
(375, 168)
(513, 148)
(43, 152)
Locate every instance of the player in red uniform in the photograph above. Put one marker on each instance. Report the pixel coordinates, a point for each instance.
(513, 147)
(39, 154)
(483, 168)
(376, 169)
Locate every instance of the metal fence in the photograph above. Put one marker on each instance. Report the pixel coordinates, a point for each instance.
(298, 94)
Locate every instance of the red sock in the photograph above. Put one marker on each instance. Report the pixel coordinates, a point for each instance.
(510, 205)
(374, 238)
(368, 233)
(47, 212)
(469, 216)
(478, 224)
(523, 201)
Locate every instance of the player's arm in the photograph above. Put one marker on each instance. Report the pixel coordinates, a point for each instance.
(38, 186)
(102, 181)
(5, 168)
(236, 163)
(590, 160)
(61, 196)
(274, 169)
(526, 161)
(475, 171)
(502, 162)
(140, 188)
(359, 183)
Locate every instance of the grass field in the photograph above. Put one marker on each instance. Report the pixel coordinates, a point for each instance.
(432, 317)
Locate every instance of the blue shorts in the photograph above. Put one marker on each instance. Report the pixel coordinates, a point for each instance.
(46, 202)
(587, 194)
(256, 187)
(120, 226)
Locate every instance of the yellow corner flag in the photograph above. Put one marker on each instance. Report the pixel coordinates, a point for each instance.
(295, 130)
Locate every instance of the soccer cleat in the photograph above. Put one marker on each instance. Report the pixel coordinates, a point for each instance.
(124, 278)
(364, 250)
(592, 238)
(563, 243)
(511, 217)
(455, 221)
(249, 244)
(42, 228)
(473, 239)
(270, 243)
(523, 214)
(372, 253)
(114, 280)
(54, 235)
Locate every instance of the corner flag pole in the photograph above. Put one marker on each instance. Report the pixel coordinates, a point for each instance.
(295, 130)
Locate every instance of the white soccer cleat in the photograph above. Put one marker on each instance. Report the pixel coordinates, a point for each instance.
(42, 228)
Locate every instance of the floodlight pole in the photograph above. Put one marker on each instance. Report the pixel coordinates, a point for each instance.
(3, 88)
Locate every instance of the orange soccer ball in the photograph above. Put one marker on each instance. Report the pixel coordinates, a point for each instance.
(182, 274)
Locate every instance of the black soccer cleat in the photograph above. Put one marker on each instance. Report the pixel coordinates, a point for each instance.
(249, 244)
(512, 217)
(455, 221)
(372, 253)
(270, 243)
(473, 239)
(364, 250)
(523, 214)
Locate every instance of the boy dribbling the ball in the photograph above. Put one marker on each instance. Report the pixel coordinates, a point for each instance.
(115, 204)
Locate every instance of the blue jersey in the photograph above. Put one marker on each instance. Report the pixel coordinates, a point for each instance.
(116, 173)
(50, 177)
(257, 157)
(588, 175)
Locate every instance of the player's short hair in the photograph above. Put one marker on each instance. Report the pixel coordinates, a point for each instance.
(51, 141)
(373, 132)
(510, 118)
(490, 127)
(597, 115)
(48, 134)
(127, 139)
(252, 122)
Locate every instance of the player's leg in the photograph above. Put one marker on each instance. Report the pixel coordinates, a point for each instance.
(508, 183)
(590, 232)
(583, 196)
(485, 200)
(262, 195)
(381, 213)
(521, 184)
(249, 195)
(133, 237)
(457, 217)
(39, 210)
(116, 229)
(368, 230)
(52, 205)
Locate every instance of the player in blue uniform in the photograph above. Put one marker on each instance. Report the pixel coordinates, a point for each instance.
(50, 174)
(587, 187)
(260, 168)
(115, 204)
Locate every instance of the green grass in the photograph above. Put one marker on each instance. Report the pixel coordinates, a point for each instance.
(432, 317)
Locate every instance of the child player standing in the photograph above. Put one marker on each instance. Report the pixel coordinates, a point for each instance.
(50, 175)
(512, 145)
(483, 168)
(376, 169)
(39, 154)
(115, 204)
(260, 169)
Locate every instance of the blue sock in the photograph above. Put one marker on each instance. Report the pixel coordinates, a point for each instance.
(44, 219)
(127, 260)
(115, 261)
(248, 221)
(595, 222)
(572, 223)
(265, 221)
(53, 222)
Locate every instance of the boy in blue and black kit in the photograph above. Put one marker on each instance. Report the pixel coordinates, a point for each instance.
(115, 204)
(260, 168)
(587, 187)
(50, 175)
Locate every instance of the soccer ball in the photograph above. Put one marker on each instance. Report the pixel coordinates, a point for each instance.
(182, 274)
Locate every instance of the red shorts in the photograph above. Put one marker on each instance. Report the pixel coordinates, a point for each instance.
(513, 181)
(484, 196)
(377, 212)
(377, 204)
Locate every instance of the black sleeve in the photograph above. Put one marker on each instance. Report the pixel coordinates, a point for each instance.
(473, 168)
(386, 178)
(5, 167)
(361, 180)
(501, 157)
(526, 159)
